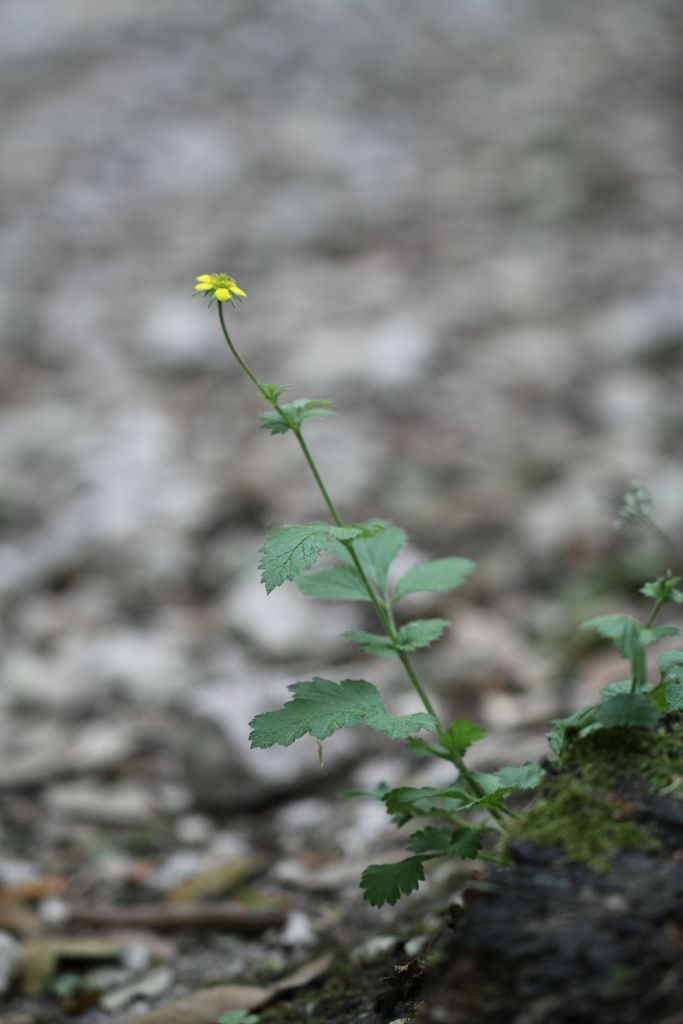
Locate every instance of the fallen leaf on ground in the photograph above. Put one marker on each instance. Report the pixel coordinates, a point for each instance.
(215, 881)
(230, 916)
(205, 1007)
(20, 921)
(39, 959)
(150, 986)
(32, 890)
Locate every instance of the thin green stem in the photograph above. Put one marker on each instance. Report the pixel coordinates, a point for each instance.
(659, 604)
(249, 372)
(418, 687)
(316, 474)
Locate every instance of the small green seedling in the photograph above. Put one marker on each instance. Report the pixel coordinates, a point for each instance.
(472, 810)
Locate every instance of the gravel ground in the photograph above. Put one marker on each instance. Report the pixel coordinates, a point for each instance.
(460, 222)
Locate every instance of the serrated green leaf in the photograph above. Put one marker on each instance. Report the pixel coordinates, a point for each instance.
(320, 707)
(238, 1017)
(618, 628)
(670, 664)
(386, 883)
(372, 643)
(627, 633)
(527, 776)
(673, 694)
(420, 633)
(657, 694)
(376, 553)
(664, 590)
(340, 583)
(556, 738)
(297, 412)
(648, 637)
(571, 725)
(441, 574)
(464, 842)
(411, 637)
(488, 781)
(273, 421)
(627, 709)
(410, 801)
(272, 391)
(407, 801)
(618, 686)
(651, 589)
(460, 736)
(289, 551)
(430, 840)
(609, 626)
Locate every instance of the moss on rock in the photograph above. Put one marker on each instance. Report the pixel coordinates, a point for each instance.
(584, 807)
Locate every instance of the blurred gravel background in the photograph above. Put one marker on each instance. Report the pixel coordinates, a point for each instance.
(461, 222)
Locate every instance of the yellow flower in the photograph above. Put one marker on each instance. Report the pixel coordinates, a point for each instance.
(219, 286)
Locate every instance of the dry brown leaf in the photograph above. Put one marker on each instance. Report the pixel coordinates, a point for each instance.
(40, 958)
(207, 1006)
(35, 889)
(305, 975)
(20, 921)
(216, 880)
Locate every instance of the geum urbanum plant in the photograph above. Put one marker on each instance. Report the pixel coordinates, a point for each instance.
(469, 815)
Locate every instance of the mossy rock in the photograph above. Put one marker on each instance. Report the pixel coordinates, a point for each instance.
(592, 805)
(586, 924)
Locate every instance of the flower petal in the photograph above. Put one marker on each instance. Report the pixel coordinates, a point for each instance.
(236, 290)
(205, 277)
(203, 287)
(222, 294)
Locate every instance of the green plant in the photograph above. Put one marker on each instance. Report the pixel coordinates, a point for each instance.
(237, 1017)
(472, 810)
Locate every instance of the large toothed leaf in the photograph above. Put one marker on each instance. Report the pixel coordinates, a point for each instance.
(376, 553)
(627, 633)
(656, 633)
(296, 413)
(462, 842)
(466, 843)
(671, 665)
(441, 574)
(673, 694)
(460, 736)
(289, 551)
(320, 707)
(456, 741)
(630, 709)
(430, 840)
(372, 643)
(386, 883)
(526, 776)
(407, 802)
(341, 583)
(411, 637)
